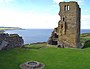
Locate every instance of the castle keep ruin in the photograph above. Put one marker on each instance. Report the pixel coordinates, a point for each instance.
(68, 30)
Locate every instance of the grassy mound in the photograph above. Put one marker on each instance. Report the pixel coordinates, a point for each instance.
(53, 58)
(87, 44)
(84, 38)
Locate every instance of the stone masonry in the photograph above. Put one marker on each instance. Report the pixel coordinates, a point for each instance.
(53, 39)
(68, 29)
(8, 41)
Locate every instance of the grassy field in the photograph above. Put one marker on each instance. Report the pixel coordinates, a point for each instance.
(52, 57)
(85, 37)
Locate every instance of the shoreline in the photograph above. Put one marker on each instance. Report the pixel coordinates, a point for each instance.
(36, 43)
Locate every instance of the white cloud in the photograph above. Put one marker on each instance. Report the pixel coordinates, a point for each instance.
(5, 1)
(27, 19)
(57, 1)
(85, 19)
(8, 0)
(81, 2)
(31, 19)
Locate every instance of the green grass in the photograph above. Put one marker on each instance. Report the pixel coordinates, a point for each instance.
(6, 28)
(53, 58)
(84, 37)
(87, 44)
(85, 34)
(9, 28)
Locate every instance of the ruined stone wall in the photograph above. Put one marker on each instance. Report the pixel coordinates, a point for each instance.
(10, 41)
(69, 25)
(68, 29)
(53, 39)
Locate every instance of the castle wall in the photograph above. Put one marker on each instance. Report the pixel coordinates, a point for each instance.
(68, 30)
(8, 41)
(69, 25)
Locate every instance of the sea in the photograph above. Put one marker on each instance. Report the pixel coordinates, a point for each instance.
(36, 35)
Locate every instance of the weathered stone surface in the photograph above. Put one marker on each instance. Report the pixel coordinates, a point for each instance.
(3, 44)
(68, 29)
(10, 41)
(32, 65)
(54, 37)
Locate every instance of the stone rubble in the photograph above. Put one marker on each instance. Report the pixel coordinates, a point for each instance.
(8, 41)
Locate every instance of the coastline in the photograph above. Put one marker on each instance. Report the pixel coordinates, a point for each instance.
(9, 28)
(35, 36)
(36, 43)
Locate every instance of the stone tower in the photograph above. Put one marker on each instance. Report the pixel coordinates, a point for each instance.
(69, 24)
(67, 34)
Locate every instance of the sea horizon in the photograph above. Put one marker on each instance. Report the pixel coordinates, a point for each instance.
(36, 35)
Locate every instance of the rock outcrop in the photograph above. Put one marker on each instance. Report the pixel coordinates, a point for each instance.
(10, 41)
(53, 38)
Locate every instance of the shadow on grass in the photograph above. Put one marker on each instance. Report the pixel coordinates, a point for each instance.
(32, 47)
(87, 44)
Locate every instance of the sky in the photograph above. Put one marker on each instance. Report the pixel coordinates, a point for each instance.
(38, 13)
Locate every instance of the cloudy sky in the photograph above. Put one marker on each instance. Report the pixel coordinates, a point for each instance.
(37, 13)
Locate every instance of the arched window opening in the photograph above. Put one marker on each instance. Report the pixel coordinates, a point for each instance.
(66, 7)
(63, 19)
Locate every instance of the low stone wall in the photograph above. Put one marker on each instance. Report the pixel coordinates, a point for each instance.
(32, 65)
(10, 41)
